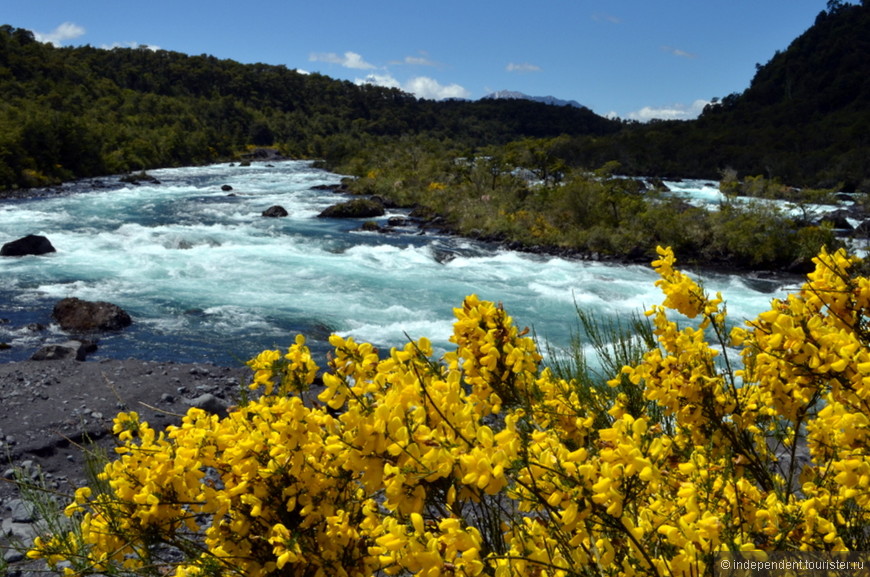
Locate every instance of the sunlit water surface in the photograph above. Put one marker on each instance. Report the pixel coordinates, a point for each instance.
(207, 278)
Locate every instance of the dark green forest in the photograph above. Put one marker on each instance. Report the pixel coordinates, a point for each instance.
(75, 112)
(803, 123)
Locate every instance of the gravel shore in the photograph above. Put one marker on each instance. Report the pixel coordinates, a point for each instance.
(49, 409)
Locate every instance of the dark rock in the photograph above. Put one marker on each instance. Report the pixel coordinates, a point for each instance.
(371, 226)
(139, 178)
(78, 350)
(276, 211)
(343, 187)
(226, 188)
(30, 244)
(356, 208)
(838, 219)
(800, 266)
(658, 184)
(73, 314)
(397, 221)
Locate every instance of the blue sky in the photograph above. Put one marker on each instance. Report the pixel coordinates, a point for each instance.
(636, 59)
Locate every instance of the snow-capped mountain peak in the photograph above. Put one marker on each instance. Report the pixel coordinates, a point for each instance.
(514, 95)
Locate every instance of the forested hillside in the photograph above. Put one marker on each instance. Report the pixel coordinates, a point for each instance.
(73, 112)
(805, 119)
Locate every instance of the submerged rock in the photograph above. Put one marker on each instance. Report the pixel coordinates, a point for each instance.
(30, 244)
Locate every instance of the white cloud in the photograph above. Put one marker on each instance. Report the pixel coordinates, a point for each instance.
(380, 80)
(64, 32)
(419, 86)
(424, 87)
(417, 61)
(348, 60)
(604, 17)
(523, 67)
(678, 52)
(672, 112)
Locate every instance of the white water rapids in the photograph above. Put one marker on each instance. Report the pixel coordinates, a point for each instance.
(207, 278)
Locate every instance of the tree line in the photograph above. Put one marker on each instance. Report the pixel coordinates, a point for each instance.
(77, 112)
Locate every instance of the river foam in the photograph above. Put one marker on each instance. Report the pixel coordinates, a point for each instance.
(207, 278)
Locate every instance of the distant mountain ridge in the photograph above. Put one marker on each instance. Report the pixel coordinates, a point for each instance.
(514, 95)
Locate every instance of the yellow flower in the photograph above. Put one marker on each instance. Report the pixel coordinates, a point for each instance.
(482, 462)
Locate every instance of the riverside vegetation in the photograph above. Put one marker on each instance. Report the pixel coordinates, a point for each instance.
(525, 194)
(693, 438)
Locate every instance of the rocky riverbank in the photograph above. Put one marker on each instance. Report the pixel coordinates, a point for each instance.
(51, 409)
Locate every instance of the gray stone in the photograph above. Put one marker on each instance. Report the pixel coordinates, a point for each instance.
(210, 404)
(78, 350)
(13, 556)
(23, 532)
(21, 511)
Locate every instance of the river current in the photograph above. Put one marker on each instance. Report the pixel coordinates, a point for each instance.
(207, 278)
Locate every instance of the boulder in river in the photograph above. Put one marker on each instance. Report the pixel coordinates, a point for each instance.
(139, 178)
(838, 219)
(77, 315)
(276, 211)
(356, 208)
(30, 244)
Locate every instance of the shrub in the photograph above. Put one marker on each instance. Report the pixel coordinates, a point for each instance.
(486, 463)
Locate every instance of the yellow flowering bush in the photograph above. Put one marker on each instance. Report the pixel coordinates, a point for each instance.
(483, 462)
